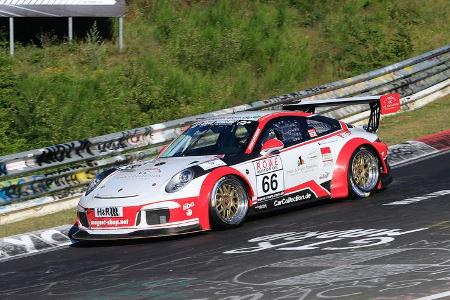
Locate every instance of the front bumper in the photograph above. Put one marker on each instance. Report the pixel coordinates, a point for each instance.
(81, 233)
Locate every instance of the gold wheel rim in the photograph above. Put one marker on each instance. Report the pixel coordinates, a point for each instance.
(227, 201)
(364, 170)
(360, 170)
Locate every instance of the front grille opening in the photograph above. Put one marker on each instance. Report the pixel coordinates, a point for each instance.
(158, 216)
(83, 218)
(138, 219)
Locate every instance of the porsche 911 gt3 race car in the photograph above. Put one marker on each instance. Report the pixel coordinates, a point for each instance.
(224, 168)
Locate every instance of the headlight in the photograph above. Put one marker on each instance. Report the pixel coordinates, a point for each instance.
(179, 181)
(99, 178)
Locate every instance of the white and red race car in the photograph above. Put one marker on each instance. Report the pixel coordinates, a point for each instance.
(224, 168)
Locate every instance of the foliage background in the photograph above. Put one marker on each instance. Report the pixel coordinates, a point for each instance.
(188, 57)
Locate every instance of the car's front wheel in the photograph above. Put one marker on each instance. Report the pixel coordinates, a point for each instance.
(364, 172)
(228, 203)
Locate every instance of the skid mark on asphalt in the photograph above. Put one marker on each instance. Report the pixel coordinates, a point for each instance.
(336, 267)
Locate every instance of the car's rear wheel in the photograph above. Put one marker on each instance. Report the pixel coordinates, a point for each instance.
(364, 172)
(228, 203)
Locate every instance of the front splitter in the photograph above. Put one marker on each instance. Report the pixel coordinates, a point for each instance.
(81, 234)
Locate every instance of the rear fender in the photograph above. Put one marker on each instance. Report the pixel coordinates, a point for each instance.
(339, 182)
(206, 189)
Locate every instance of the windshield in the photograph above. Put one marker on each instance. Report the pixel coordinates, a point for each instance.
(212, 139)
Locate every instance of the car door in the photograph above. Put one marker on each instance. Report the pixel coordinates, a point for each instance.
(302, 163)
(282, 173)
(320, 131)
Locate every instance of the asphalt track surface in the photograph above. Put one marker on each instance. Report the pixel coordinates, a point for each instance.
(346, 249)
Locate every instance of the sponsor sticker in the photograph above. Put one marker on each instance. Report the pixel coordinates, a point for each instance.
(243, 122)
(189, 205)
(152, 172)
(226, 121)
(268, 165)
(390, 103)
(292, 199)
(328, 163)
(109, 222)
(324, 175)
(302, 169)
(212, 164)
(326, 154)
(187, 208)
(261, 206)
(105, 212)
(270, 197)
(312, 132)
(313, 155)
(253, 140)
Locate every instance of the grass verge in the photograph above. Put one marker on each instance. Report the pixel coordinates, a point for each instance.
(60, 218)
(394, 129)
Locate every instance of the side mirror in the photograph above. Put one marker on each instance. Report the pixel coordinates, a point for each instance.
(271, 146)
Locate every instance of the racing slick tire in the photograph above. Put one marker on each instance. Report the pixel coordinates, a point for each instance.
(228, 205)
(364, 172)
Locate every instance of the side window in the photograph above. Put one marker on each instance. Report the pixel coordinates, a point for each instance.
(209, 138)
(288, 130)
(320, 125)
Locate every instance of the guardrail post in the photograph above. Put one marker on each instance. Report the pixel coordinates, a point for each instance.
(11, 36)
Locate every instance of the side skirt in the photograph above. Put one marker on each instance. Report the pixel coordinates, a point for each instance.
(284, 201)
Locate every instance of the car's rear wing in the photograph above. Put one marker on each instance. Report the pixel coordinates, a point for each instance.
(379, 105)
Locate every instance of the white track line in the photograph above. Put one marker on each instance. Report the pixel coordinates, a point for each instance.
(435, 296)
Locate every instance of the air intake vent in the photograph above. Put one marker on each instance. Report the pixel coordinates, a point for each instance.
(83, 219)
(157, 216)
(138, 219)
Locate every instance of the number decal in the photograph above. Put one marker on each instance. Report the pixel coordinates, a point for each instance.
(265, 184)
(269, 177)
(269, 183)
(274, 182)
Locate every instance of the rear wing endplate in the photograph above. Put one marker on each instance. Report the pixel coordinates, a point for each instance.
(379, 105)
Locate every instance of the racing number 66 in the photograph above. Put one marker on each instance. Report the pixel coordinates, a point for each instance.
(269, 185)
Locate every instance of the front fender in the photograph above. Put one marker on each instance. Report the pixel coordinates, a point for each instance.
(206, 189)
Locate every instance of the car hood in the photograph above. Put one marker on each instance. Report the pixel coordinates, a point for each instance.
(147, 178)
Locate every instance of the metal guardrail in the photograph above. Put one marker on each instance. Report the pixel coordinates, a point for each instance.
(57, 172)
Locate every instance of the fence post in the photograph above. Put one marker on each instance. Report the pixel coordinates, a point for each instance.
(120, 33)
(70, 24)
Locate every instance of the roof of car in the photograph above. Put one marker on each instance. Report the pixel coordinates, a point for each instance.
(246, 116)
(239, 116)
